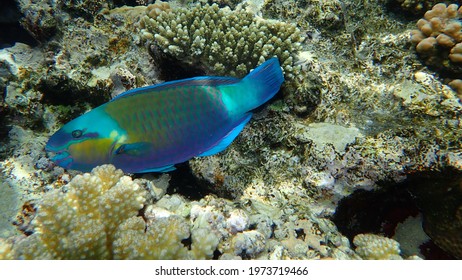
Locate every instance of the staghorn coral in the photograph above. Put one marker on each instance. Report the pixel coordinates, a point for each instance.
(374, 247)
(439, 38)
(225, 42)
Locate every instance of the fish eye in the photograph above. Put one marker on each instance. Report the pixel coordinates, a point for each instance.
(77, 133)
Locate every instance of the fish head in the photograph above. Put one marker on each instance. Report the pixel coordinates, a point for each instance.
(85, 142)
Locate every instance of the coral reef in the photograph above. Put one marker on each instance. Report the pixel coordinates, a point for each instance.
(86, 63)
(83, 8)
(157, 8)
(224, 42)
(325, 15)
(223, 3)
(39, 18)
(358, 111)
(374, 247)
(425, 95)
(159, 239)
(439, 38)
(84, 222)
(417, 6)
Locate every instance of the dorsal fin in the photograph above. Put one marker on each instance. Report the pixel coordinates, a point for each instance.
(196, 81)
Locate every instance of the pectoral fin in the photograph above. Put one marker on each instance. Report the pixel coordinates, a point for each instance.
(133, 149)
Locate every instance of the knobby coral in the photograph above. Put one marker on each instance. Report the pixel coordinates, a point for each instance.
(416, 6)
(439, 38)
(225, 42)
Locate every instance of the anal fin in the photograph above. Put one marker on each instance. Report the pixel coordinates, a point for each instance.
(133, 149)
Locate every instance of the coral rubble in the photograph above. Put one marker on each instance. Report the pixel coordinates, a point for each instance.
(358, 111)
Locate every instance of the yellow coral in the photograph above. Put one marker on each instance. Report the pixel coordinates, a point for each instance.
(82, 223)
(98, 218)
(204, 243)
(374, 247)
(160, 240)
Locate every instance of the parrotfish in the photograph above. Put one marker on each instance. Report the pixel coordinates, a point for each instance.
(150, 129)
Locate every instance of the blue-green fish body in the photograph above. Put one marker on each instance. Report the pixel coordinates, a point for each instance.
(152, 128)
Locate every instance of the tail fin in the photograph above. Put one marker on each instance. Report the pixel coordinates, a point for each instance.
(256, 88)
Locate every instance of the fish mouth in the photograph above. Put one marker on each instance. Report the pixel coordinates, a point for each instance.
(59, 156)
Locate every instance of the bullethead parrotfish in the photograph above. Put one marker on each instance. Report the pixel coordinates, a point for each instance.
(150, 129)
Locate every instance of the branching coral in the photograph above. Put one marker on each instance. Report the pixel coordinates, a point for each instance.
(161, 239)
(225, 42)
(439, 38)
(374, 247)
(82, 223)
(98, 217)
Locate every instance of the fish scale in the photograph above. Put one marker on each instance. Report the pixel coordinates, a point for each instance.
(151, 129)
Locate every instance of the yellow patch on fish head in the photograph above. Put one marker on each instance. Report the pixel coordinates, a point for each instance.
(96, 150)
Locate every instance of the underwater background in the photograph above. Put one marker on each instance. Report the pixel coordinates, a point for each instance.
(359, 155)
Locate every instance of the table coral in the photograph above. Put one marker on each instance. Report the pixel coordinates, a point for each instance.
(225, 42)
(439, 38)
